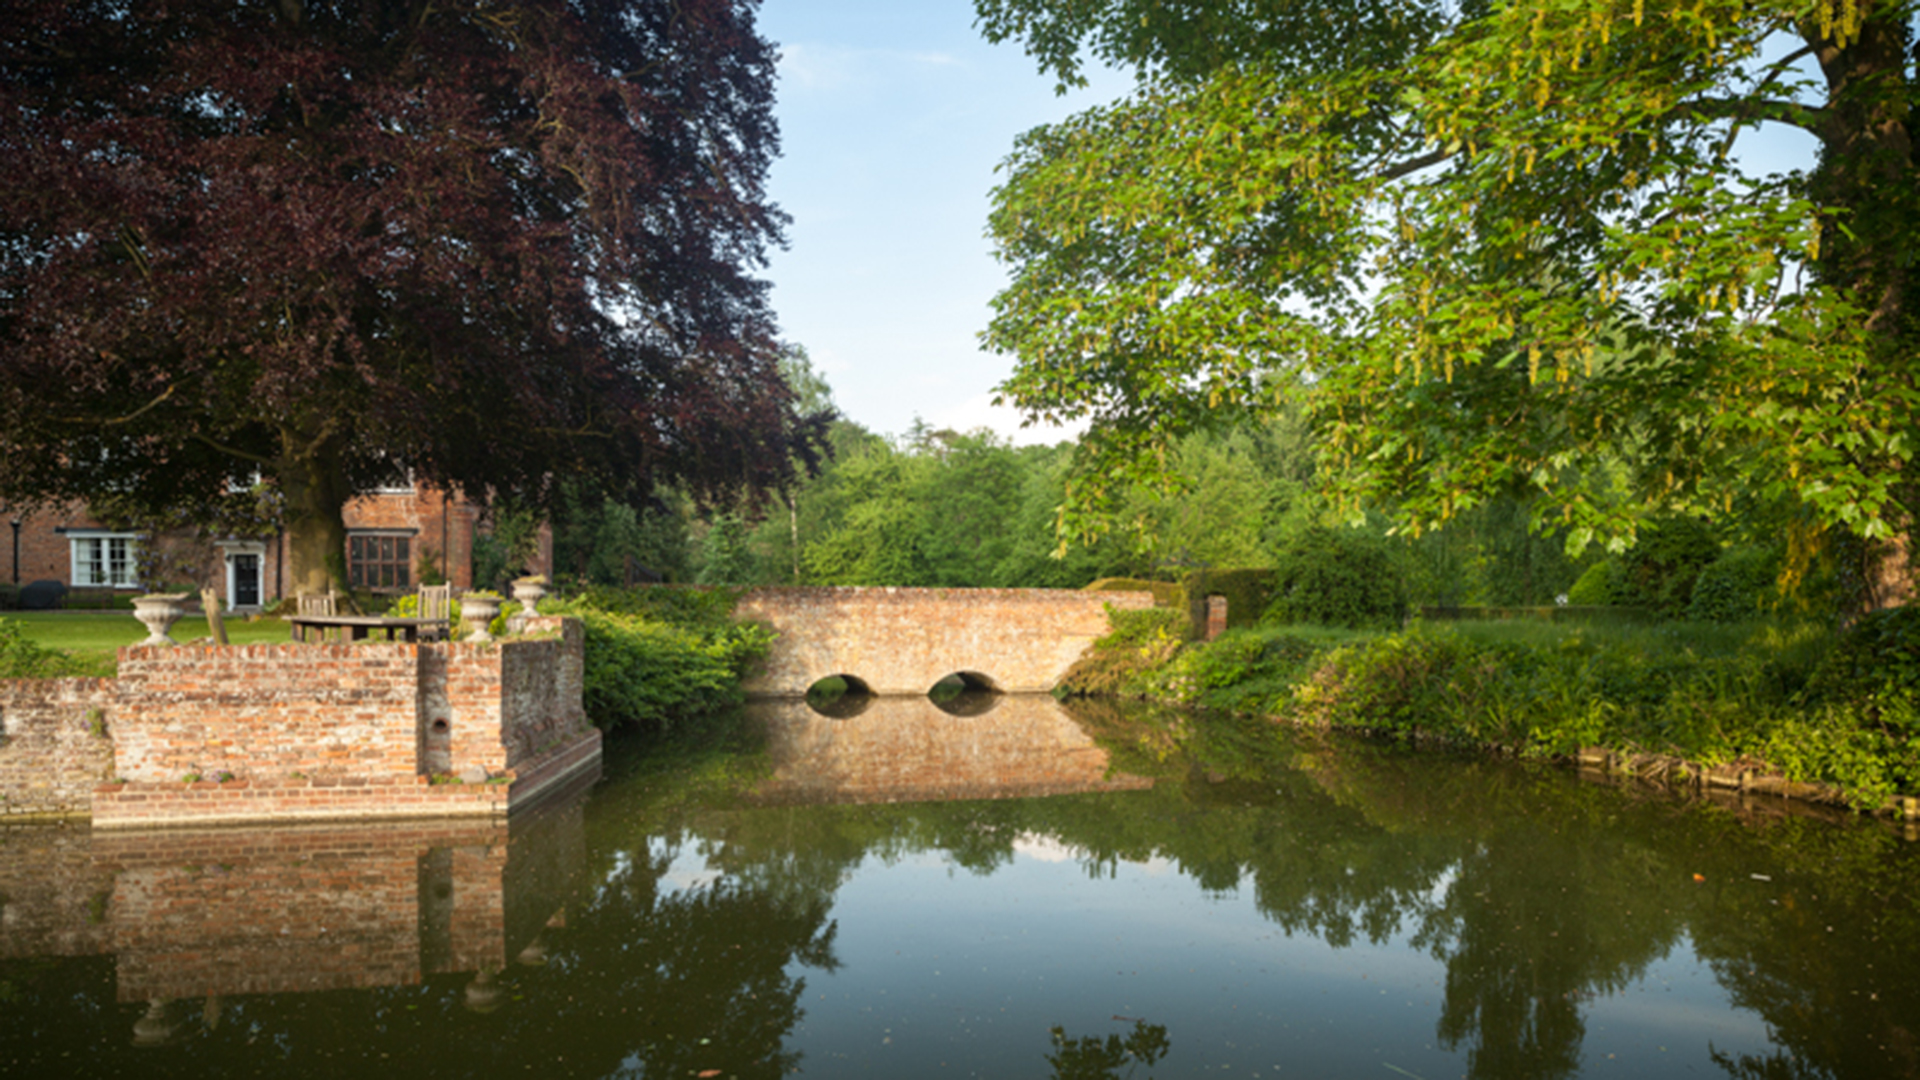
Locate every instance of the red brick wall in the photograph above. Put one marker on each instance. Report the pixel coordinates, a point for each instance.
(266, 712)
(54, 744)
(302, 732)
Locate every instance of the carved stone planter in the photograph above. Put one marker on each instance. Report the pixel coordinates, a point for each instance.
(478, 612)
(158, 612)
(529, 591)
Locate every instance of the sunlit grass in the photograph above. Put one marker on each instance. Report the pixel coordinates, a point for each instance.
(97, 635)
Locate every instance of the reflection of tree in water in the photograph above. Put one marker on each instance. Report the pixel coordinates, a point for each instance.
(1090, 1057)
(1538, 894)
(698, 975)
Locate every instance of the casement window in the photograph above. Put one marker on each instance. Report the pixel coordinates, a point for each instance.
(379, 560)
(104, 560)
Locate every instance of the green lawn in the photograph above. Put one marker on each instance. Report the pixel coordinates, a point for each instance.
(96, 634)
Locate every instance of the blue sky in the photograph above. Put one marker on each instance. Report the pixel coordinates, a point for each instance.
(892, 117)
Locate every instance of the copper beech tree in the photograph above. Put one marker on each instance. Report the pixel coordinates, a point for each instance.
(1505, 247)
(313, 244)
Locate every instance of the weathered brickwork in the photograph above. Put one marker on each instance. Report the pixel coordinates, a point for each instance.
(904, 749)
(301, 732)
(903, 641)
(54, 745)
(197, 913)
(267, 712)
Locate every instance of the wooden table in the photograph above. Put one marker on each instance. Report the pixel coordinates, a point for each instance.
(359, 626)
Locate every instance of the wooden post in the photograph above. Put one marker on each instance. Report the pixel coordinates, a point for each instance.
(215, 624)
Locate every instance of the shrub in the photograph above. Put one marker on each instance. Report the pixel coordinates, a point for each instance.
(655, 657)
(1140, 640)
(1337, 577)
(1247, 593)
(23, 658)
(1598, 586)
(1737, 586)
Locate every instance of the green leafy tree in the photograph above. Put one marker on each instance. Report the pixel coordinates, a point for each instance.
(1510, 247)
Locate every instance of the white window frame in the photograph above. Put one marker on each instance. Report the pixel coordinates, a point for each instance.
(96, 549)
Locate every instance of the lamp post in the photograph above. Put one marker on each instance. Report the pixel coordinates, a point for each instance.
(16, 549)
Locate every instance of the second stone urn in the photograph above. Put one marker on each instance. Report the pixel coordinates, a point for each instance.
(478, 610)
(529, 591)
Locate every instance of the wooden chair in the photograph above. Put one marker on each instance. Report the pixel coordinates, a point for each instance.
(316, 604)
(436, 603)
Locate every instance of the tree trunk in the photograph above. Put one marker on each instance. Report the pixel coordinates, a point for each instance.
(1867, 176)
(314, 485)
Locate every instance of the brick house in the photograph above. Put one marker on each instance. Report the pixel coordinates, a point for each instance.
(391, 534)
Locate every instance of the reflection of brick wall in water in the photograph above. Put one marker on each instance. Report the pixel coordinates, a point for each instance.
(54, 899)
(902, 749)
(271, 911)
(191, 913)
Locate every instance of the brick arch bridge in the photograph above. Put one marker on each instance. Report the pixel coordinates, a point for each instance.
(902, 641)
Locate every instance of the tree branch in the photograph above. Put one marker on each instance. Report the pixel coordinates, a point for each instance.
(231, 452)
(1806, 117)
(127, 419)
(1412, 165)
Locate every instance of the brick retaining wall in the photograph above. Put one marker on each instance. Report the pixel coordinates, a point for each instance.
(302, 732)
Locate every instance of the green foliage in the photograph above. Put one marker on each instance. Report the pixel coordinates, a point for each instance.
(1739, 585)
(23, 658)
(1502, 248)
(1660, 570)
(1248, 594)
(596, 537)
(1598, 585)
(1140, 640)
(1782, 694)
(1336, 577)
(657, 657)
(725, 558)
(505, 550)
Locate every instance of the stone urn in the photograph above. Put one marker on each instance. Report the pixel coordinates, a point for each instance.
(478, 610)
(158, 612)
(528, 591)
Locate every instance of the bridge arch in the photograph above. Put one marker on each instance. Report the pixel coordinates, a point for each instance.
(839, 696)
(901, 641)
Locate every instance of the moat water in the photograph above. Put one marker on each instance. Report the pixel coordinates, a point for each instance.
(1008, 889)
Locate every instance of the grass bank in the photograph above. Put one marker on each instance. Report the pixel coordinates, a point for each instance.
(1792, 701)
(84, 642)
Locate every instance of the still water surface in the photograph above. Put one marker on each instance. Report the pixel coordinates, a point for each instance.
(1018, 890)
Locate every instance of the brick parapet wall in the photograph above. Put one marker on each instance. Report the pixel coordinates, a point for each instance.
(302, 732)
(268, 712)
(903, 641)
(54, 745)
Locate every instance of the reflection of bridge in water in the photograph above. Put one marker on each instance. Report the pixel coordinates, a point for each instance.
(910, 749)
(207, 914)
